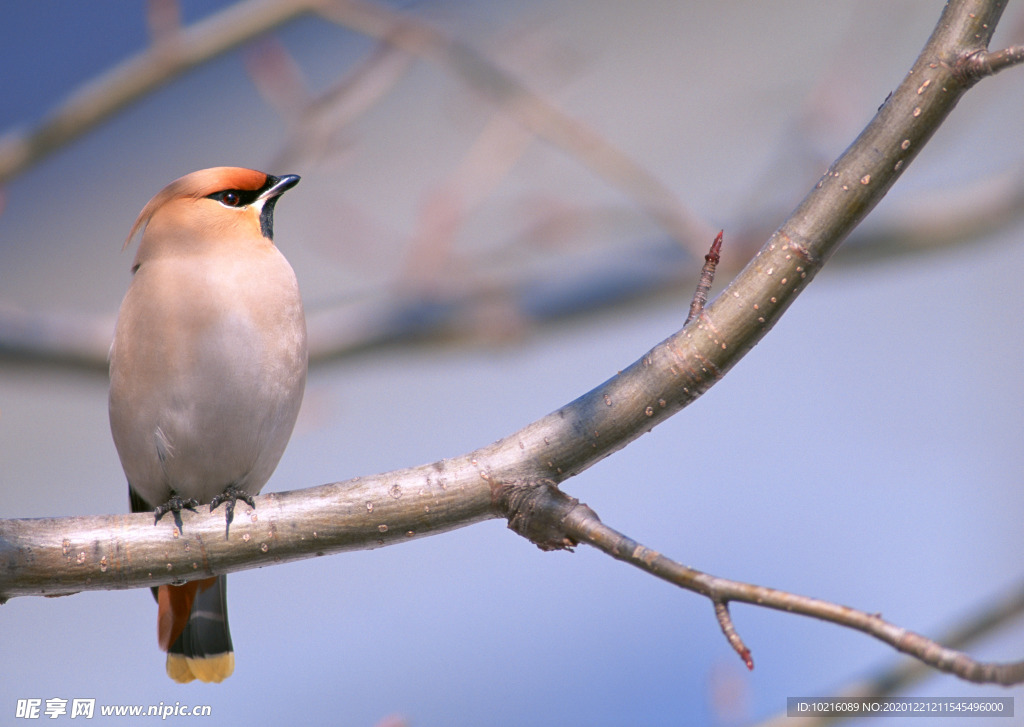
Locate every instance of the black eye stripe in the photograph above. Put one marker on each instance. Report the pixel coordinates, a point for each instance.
(235, 197)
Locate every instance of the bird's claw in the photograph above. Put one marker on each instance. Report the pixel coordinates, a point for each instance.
(175, 504)
(230, 495)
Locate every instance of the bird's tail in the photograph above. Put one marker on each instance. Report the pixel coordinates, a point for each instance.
(192, 627)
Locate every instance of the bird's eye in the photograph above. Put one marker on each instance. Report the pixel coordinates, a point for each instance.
(230, 199)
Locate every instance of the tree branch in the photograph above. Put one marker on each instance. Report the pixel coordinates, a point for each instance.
(993, 615)
(582, 525)
(974, 66)
(171, 54)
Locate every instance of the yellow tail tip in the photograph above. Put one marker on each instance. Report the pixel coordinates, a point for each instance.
(211, 669)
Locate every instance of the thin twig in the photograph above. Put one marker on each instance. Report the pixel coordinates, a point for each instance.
(490, 158)
(731, 635)
(583, 526)
(317, 123)
(278, 78)
(707, 278)
(975, 66)
(163, 18)
(992, 616)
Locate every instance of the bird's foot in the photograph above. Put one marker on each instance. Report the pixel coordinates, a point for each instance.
(175, 505)
(230, 495)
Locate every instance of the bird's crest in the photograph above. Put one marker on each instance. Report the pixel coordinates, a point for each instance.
(197, 185)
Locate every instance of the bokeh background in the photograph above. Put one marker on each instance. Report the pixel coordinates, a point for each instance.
(867, 452)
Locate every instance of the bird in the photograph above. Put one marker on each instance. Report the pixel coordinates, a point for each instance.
(207, 372)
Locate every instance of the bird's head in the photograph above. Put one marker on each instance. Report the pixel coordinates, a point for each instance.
(201, 208)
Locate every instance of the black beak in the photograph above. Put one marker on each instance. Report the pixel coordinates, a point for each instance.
(276, 186)
(272, 190)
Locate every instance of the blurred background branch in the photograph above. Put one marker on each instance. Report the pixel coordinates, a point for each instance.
(438, 294)
(173, 51)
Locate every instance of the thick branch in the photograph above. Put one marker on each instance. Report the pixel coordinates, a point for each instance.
(55, 556)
